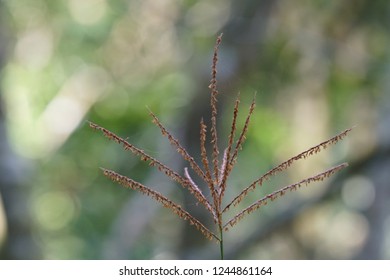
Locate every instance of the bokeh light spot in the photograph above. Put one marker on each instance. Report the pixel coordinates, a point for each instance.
(88, 12)
(54, 210)
(358, 193)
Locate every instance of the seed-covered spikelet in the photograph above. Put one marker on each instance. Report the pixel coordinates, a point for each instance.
(183, 152)
(226, 166)
(242, 136)
(272, 196)
(286, 164)
(177, 209)
(205, 160)
(184, 182)
(213, 103)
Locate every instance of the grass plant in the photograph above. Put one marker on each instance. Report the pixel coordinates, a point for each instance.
(215, 169)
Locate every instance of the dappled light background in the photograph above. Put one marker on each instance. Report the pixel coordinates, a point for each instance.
(315, 67)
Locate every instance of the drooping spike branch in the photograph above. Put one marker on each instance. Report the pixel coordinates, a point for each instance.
(154, 162)
(286, 164)
(177, 209)
(138, 152)
(270, 197)
(183, 152)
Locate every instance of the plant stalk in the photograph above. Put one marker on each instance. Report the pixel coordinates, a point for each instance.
(221, 241)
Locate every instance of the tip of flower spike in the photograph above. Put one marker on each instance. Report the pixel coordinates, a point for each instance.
(92, 125)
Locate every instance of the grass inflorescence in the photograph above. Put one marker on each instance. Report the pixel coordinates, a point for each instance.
(214, 174)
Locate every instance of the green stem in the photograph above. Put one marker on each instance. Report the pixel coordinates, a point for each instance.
(221, 241)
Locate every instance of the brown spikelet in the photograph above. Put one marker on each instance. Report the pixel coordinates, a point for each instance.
(205, 161)
(177, 209)
(286, 164)
(214, 93)
(241, 139)
(226, 165)
(272, 196)
(138, 152)
(154, 162)
(183, 152)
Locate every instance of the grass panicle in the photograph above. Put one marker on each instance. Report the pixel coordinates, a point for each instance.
(214, 174)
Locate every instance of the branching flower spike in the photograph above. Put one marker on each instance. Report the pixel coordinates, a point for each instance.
(214, 173)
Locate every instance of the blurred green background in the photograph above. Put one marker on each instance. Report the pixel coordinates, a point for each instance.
(317, 67)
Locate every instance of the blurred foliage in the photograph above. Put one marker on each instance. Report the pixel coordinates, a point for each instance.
(317, 67)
